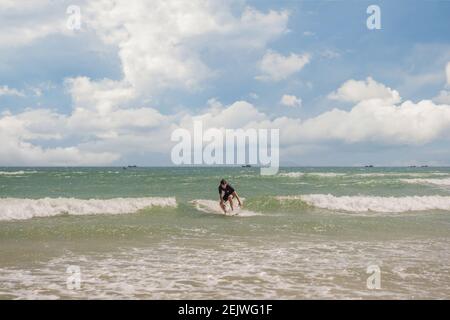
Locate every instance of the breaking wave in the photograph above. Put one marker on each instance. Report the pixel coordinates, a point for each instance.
(21, 209)
(317, 174)
(372, 203)
(437, 182)
(15, 173)
(291, 174)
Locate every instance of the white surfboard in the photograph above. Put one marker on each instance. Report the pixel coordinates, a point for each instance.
(213, 206)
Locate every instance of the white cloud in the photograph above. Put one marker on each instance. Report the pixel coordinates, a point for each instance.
(23, 5)
(7, 91)
(16, 153)
(22, 22)
(160, 46)
(160, 42)
(290, 101)
(102, 95)
(237, 115)
(355, 91)
(373, 121)
(17, 132)
(276, 67)
(102, 138)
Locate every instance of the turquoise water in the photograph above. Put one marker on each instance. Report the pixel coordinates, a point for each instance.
(157, 233)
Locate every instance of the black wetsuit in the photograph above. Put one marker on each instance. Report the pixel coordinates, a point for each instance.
(225, 192)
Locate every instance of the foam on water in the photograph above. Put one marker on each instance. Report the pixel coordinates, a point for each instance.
(327, 174)
(15, 173)
(231, 269)
(361, 175)
(21, 209)
(399, 174)
(373, 203)
(439, 182)
(212, 206)
(291, 174)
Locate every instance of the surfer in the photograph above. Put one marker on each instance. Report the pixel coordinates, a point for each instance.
(227, 193)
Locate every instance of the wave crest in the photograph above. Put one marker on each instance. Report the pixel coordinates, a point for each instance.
(21, 209)
(15, 173)
(438, 182)
(373, 203)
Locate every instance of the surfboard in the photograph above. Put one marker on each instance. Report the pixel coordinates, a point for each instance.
(213, 207)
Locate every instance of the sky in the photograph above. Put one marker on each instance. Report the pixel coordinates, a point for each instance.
(111, 91)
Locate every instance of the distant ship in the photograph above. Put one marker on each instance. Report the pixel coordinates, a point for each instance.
(246, 166)
(369, 166)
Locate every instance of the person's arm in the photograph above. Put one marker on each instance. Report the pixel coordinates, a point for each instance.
(237, 197)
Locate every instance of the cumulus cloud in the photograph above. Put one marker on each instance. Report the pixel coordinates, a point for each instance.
(356, 91)
(374, 121)
(159, 42)
(160, 45)
(290, 101)
(94, 138)
(105, 138)
(371, 120)
(276, 67)
(7, 91)
(23, 22)
(18, 132)
(103, 95)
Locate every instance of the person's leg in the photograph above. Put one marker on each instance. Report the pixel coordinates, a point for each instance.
(222, 205)
(230, 199)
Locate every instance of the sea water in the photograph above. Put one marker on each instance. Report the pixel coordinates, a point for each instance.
(157, 233)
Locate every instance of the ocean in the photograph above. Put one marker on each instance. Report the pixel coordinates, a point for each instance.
(157, 233)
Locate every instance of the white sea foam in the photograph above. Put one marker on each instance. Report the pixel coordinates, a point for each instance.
(21, 209)
(303, 268)
(439, 182)
(372, 174)
(400, 174)
(326, 174)
(292, 174)
(15, 173)
(212, 206)
(318, 174)
(373, 203)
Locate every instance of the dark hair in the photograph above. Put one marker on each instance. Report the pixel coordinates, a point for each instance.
(223, 181)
